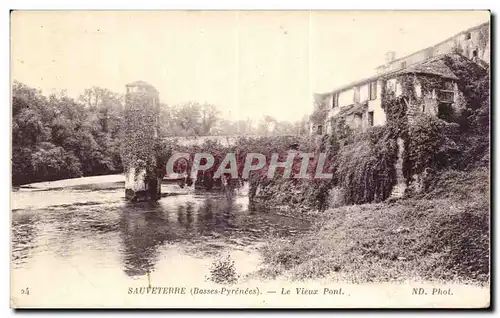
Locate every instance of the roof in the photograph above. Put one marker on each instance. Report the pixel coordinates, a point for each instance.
(142, 84)
(356, 108)
(355, 83)
(433, 66)
(437, 44)
(438, 68)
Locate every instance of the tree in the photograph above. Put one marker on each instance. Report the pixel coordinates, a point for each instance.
(245, 127)
(105, 104)
(284, 128)
(58, 137)
(320, 112)
(267, 125)
(226, 128)
(187, 119)
(209, 118)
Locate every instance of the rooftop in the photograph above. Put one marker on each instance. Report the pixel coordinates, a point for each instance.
(447, 39)
(432, 66)
(142, 84)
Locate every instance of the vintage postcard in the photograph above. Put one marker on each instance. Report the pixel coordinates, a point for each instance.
(250, 159)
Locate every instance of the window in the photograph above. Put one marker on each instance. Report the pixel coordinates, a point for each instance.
(335, 100)
(474, 53)
(446, 95)
(403, 64)
(320, 130)
(373, 90)
(391, 85)
(358, 119)
(448, 85)
(445, 111)
(467, 36)
(399, 89)
(370, 118)
(356, 95)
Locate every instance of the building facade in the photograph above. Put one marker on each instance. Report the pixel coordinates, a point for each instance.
(361, 103)
(473, 43)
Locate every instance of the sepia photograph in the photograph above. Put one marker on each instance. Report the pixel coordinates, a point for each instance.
(250, 159)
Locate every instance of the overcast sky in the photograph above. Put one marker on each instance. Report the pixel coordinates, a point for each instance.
(247, 63)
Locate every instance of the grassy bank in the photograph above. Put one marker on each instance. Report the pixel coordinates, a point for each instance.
(440, 236)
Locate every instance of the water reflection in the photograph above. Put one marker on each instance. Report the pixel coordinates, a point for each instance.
(24, 232)
(137, 235)
(143, 228)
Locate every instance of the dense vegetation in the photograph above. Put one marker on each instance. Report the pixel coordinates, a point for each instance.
(442, 235)
(57, 137)
(439, 231)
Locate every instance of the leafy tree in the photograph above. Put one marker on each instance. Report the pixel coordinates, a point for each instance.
(209, 118)
(58, 137)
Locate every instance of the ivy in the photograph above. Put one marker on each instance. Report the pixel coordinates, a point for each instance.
(365, 169)
(139, 141)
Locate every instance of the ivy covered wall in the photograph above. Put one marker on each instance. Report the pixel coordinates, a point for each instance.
(139, 145)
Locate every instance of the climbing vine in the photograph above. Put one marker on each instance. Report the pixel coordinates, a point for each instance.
(365, 169)
(138, 147)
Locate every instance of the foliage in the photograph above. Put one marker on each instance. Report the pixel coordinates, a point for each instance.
(223, 271)
(57, 137)
(51, 162)
(417, 239)
(365, 169)
(473, 80)
(91, 129)
(474, 121)
(320, 110)
(139, 127)
(430, 145)
(194, 119)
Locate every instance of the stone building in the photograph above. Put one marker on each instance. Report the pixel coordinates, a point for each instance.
(473, 43)
(361, 103)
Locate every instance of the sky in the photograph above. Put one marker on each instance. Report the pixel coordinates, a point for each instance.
(247, 63)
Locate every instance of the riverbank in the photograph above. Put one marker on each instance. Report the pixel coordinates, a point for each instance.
(440, 236)
(118, 179)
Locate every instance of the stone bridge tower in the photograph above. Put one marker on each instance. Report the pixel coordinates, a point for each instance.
(139, 140)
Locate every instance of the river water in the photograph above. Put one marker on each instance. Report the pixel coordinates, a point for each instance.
(78, 243)
(86, 237)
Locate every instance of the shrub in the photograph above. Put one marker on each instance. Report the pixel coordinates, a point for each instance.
(50, 162)
(223, 271)
(415, 239)
(430, 144)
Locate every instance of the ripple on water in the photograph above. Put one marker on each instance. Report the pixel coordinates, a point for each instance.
(97, 233)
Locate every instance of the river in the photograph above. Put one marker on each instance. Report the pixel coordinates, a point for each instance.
(80, 235)
(78, 243)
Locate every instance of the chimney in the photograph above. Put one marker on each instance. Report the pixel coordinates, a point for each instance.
(390, 56)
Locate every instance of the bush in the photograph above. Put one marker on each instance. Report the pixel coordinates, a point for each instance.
(415, 239)
(223, 271)
(50, 162)
(430, 144)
